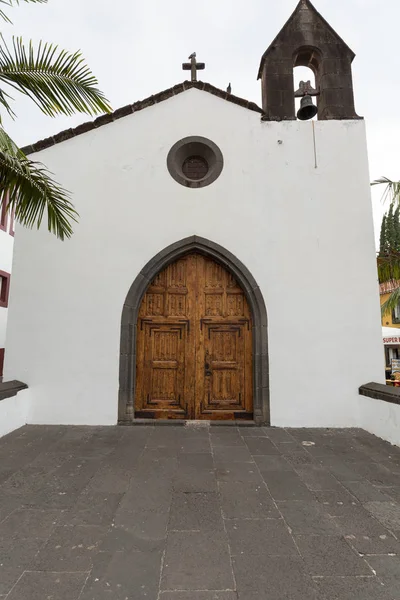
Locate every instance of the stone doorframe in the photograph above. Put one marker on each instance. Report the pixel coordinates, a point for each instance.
(127, 368)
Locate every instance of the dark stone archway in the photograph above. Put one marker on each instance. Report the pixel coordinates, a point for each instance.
(127, 369)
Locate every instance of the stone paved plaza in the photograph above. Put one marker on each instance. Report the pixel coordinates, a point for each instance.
(210, 513)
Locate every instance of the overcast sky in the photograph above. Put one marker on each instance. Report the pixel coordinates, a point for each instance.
(135, 49)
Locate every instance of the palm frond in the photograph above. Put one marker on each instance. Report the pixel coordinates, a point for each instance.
(59, 82)
(32, 192)
(11, 3)
(391, 191)
(8, 146)
(391, 303)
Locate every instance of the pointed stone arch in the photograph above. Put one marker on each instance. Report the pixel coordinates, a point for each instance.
(127, 370)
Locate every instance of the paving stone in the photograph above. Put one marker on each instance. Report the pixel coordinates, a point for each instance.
(226, 438)
(307, 517)
(198, 511)
(149, 492)
(197, 561)
(251, 502)
(352, 588)
(138, 530)
(30, 523)
(192, 480)
(392, 492)
(365, 533)
(198, 461)
(289, 448)
(36, 585)
(128, 576)
(233, 453)
(278, 435)
(387, 513)
(272, 463)
(198, 596)
(300, 459)
(387, 569)
(111, 478)
(16, 552)
(247, 432)
(316, 478)
(377, 474)
(338, 467)
(8, 503)
(337, 502)
(62, 488)
(365, 491)
(195, 445)
(15, 557)
(27, 480)
(195, 474)
(8, 578)
(260, 536)
(261, 446)
(70, 549)
(286, 485)
(282, 577)
(330, 555)
(92, 508)
(238, 471)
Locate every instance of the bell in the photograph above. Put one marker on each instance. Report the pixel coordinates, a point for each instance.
(307, 109)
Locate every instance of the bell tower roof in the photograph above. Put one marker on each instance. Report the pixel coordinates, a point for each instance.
(307, 23)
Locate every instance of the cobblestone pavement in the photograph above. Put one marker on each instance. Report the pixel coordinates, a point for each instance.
(210, 513)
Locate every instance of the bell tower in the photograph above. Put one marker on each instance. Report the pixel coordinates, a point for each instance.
(307, 40)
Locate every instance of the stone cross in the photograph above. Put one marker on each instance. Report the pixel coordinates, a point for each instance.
(193, 66)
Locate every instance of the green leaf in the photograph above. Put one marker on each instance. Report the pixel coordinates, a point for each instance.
(57, 81)
(392, 189)
(8, 146)
(32, 192)
(391, 303)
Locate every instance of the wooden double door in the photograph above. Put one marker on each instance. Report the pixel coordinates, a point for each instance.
(194, 345)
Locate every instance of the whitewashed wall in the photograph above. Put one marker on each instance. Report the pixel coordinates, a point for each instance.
(14, 412)
(6, 252)
(305, 233)
(380, 418)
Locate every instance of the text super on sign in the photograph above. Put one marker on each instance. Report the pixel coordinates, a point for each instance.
(391, 340)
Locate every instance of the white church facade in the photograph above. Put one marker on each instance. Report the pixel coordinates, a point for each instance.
(223, 259)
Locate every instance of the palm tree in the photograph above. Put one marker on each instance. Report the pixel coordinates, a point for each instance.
(58, 82)
(389, 263)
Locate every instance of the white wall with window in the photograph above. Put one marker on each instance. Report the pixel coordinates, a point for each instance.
(6, 254)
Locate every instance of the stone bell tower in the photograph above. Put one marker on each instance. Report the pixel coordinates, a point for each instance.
(307, 40)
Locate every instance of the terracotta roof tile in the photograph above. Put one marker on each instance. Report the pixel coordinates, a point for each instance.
(132, 108)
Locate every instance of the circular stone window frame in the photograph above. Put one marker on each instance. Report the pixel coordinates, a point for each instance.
(195, 146)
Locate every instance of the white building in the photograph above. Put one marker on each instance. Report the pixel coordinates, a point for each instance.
(225, 288)
(6, 251)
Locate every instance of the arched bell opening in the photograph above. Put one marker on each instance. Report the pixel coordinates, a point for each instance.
(306, 70)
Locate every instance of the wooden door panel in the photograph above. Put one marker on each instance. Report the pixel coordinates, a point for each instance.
(161, 380)
(223, 345)
(222, 382)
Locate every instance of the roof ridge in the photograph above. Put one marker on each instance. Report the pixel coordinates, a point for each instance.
(129, 109)
(308, 4)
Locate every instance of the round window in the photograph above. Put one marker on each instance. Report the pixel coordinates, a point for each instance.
(195, 167)
(195, 162)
